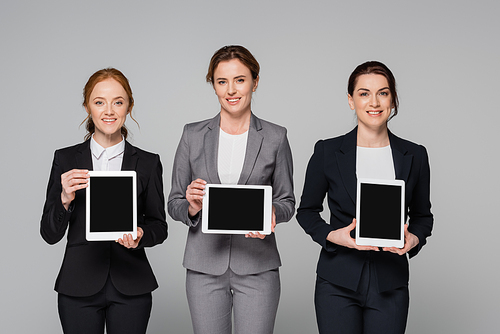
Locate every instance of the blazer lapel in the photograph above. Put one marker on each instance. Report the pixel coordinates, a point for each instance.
(129, 161)
(346, 159)
(211, 146)
(254, 143)
(402, 159)
(84, 156)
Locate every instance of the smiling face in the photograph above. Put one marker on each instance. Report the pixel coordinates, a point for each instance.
(372, 101)
(108, 106)
(234, 86)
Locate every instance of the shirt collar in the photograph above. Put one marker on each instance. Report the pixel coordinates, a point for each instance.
(112, 151)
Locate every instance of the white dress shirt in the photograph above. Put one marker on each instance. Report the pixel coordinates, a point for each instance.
(231, 155)
(375, 163)
(107, 159)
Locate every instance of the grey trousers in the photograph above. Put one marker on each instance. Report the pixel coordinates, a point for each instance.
(253, 299)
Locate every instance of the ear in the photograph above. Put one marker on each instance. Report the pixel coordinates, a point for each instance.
(255, 84)
(351, 101)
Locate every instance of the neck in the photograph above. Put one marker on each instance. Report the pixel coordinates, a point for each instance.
(107, 140)
(235, 124)
(372, 137)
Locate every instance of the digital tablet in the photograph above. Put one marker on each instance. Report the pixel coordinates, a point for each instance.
(111, 208)
(380, 215)
(237, 209)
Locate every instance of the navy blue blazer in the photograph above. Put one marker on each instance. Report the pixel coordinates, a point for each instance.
(86, 265)
(332, 171)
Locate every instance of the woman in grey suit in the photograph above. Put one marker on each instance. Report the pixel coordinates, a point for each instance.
(232, 273)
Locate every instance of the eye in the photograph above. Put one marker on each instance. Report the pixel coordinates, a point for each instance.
(119, 103)
(99, 103)
(240, 80)
(363, 94)
(384, 93)
(221, 82)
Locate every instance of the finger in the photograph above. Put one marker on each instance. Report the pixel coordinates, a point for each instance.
(75, 188)
(195, 192)
(351, 226)
(198, 183)
(131, 241)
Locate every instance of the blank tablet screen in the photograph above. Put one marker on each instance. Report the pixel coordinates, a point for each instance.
(111, 207)
(236, 209)
(380, 211)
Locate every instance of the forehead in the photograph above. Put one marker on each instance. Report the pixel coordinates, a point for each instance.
(231, 68)
(108, 87)
(371, 81)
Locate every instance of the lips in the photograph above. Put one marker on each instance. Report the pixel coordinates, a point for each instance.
(233, 100)
(108, 120)
(374, 112)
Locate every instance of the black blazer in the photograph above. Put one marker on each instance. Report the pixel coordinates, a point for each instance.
(332, 171)
(86, 265)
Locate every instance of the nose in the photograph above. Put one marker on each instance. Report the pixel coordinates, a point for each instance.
(231, 89)
(109, 109)
(374, 102)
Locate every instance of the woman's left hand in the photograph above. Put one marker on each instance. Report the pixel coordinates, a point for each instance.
(411, 240)
(262, 236)
(128, 241)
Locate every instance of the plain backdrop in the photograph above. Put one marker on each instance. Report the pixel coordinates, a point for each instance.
(445, 56)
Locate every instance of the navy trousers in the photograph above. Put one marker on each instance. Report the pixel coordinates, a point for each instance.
(365, 311)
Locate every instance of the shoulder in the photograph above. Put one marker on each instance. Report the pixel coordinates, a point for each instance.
(197, 126)
(330, 144)
(71, 150)
(407, 146)
(142, 153)
(270, 130)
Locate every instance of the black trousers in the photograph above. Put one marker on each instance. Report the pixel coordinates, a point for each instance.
(121, 314)
(365, 311)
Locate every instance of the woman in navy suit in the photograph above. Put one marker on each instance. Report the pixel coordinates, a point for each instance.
(364, 289)
(104, 283)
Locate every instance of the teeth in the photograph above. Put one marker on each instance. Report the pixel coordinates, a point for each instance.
(232, 100)
(108, 120)
(374, 112)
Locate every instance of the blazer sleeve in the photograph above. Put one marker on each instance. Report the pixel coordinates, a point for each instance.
(419, 209)
(311, 202)
(55, 217)
(178, 205)
(153, 221)
(282, 183)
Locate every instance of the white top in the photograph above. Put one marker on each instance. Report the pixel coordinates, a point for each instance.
(375, 163)
(107, 159)
(231, 155)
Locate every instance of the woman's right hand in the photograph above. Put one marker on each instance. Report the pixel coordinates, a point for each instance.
(72, 181)
(194, 195)
(342, 237)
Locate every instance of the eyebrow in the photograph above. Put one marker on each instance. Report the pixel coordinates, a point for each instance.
(365, 89)
(236, 77)
(115, 98)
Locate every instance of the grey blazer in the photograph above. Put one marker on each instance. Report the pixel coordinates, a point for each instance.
(268, 161)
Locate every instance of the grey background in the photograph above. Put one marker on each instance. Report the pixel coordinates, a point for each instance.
(445, 56)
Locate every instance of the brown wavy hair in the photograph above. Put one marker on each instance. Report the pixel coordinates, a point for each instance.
(229, 52)
(101, 75)
(375, 67)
